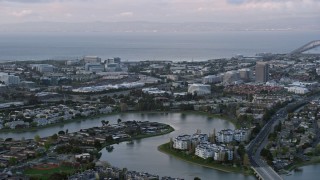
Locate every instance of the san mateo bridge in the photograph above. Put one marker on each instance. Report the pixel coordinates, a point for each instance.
(306, 47)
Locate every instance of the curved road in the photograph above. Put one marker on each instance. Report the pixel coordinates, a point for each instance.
(259, 142)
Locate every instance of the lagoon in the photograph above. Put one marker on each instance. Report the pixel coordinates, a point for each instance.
(142, 154)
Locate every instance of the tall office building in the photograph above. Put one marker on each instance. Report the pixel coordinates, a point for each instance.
(262, 72)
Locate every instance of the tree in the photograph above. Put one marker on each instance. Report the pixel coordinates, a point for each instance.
(241, 150)
(37, 138)
(61, 133)
(197, 178)
(33, 100)
(47, 144)
(54, 137)
(266, 153)
(171, 143)
(246, 161)
(104, 123)
(13, 161)
(33, 124)
(97, 144)
(8, 139)
(109, 138)
(123, 107)
(317, 150)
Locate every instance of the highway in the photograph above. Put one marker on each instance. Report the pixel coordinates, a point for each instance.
(259, 142)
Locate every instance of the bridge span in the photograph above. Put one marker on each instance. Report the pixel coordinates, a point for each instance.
(306, 47)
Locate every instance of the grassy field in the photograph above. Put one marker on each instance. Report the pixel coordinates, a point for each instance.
(165, 148)
(44, 174)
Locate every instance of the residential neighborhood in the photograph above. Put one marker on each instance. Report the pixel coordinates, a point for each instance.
(246, 92)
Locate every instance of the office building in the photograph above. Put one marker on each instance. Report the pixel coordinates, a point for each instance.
(199, 89)
(9, 79)
(262, 72)
(91, 59)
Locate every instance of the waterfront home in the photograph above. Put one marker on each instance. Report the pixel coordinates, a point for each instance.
(199, 138)
(223, 154)
(228, 135)
(224, 136)
(241, 135)
(182, 142)
(207, 150)
(82, 156)
(15, 124)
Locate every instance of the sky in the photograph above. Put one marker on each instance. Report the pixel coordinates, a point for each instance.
(17, 11)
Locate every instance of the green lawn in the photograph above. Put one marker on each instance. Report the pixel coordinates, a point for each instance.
(44, 174)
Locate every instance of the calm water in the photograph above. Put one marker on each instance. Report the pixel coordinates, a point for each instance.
(143, 154)
(149, 46)
(310, 172)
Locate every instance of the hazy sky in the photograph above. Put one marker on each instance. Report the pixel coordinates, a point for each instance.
(14, 11)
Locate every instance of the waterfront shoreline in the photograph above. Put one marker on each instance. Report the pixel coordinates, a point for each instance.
(314, 160)
(109, 114)
(55, 124)
(162, 148)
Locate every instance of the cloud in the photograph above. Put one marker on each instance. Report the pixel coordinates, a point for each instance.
(157, 10)
(26, 1)
(236, 1)
(37, 1)
(22, 13)
(127, 14)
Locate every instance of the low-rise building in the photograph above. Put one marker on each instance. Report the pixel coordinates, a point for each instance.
(199, 89)
(298, 90)
(182, 142)
(224, 136)
(9, 79)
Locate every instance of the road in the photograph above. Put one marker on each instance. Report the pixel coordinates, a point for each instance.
(259, 142)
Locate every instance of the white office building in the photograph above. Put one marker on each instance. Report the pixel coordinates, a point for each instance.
(94, 67)
(43, 68)
(212, 79)
(230, 77)
(298, 90)
(9, 79)
(245, 74)
(199, 89)
(92, 59)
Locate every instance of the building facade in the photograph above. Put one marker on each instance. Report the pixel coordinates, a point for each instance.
(262, 72)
